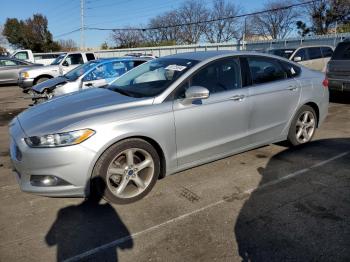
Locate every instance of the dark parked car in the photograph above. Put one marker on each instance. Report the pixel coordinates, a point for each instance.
(338, 69)
(10, 67)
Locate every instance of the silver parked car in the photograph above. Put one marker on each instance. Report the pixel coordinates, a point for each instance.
(164, 116)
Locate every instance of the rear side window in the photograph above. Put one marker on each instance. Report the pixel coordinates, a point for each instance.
(342, 52)
(327, 51)
(264, 70)
(314, 53)
(90, 56)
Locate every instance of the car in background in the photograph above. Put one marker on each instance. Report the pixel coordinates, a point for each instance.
(164, 116)
(338, 68)
(95, 73)
(314, 57)
(10, 68)
(41, 58)
(60, 66)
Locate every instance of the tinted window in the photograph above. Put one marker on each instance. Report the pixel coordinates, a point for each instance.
(22, 55)
(314, 53)
(342, 51)
(90, 56)
(302, 54)
(326, 51)
(7, 63)
(286, 53)
(75, 59)
(265, 70)
(291, 70)
(222, 75)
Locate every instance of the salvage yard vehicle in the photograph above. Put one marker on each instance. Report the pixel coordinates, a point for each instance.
(60, 66)
(10, 67)
(166, 115)
(96, 73)
(41, 58)
(314, 57)
(338, 68)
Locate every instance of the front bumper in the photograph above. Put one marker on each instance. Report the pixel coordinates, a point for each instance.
(68, 163)
(25, 83)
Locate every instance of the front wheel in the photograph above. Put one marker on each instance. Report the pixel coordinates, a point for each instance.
(303, 126)
(128, 170)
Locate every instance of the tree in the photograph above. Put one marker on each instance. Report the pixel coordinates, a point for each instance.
(326, 14)
(67, 45)
(31, 33)
(128, 38)
(223, 30)
(275, 24)
(303, 30)
(192, 11)
(104, 46)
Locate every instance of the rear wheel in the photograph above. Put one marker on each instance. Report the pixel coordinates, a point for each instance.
(128, 170)
(303, 126)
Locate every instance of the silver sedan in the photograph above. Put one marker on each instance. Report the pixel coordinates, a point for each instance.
(162, 117)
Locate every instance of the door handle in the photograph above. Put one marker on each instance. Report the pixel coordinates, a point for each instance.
(237, 98)
(88, 84)
(292, 88)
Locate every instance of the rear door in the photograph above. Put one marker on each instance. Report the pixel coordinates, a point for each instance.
(274, 95)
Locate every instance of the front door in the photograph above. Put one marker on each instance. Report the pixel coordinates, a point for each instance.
(71, 62)
(212, 127)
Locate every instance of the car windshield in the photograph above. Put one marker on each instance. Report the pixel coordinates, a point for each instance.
(80, 70)
(286, 53)
(152, 78)
(58, 60)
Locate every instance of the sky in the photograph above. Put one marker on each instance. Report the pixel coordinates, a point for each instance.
(64, 15)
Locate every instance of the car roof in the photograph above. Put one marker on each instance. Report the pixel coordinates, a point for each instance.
(205, 55)
(101, 60)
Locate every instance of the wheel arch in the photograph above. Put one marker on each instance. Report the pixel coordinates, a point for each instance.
(41, 76)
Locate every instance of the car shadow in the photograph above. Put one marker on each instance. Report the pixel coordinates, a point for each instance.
(89, 229)
(303, 218)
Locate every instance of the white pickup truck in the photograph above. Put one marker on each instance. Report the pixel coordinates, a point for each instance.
(60, 66)
(39, 58)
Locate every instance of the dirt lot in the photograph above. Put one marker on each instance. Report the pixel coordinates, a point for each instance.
(270, 204)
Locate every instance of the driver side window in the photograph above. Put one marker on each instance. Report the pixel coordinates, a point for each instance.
(74, 59)
(98, 73)
(219, 76)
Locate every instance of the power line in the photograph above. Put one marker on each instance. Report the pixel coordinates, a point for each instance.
(205, 21)
(68, 33)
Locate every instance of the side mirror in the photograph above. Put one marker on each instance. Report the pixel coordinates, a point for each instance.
(196, 93)
(65, 63)
(297, 59)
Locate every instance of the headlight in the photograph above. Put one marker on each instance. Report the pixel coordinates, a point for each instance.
(24, 74)
(60, 139)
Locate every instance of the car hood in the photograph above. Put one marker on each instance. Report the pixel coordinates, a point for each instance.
(67, 111)
(50, 84)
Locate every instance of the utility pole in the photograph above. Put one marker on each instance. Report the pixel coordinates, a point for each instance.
(82, 27)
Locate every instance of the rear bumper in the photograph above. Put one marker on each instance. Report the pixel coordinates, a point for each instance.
(341, 85)
(25, 83)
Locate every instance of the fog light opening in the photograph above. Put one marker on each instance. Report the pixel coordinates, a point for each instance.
(46, 181)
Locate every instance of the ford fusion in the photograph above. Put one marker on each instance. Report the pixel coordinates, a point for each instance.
(162, 117)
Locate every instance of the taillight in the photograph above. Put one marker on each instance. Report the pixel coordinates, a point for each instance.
(325, 82)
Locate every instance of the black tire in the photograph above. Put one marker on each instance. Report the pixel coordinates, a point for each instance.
(100, 170)
(292, 134)
(41, 79)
